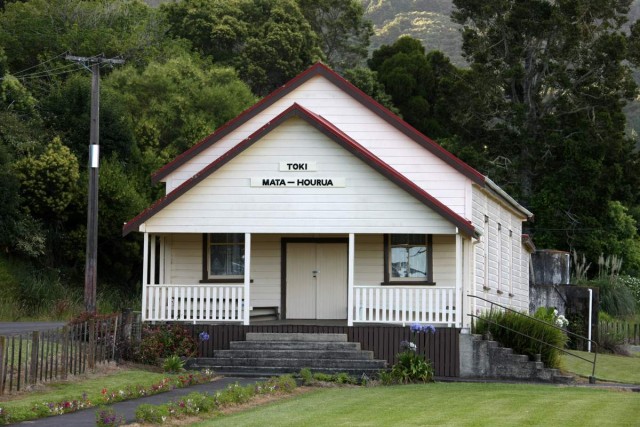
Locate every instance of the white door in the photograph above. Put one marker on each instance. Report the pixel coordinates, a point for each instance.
(316, 281)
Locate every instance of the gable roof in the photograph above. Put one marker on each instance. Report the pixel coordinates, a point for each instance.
(333, 133)
(320, 69)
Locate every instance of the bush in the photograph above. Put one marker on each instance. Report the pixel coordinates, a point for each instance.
(411, 368)
(152, 414)
(523, 344)
(107, 417)
(173, 364)
(616, 298)
(633, 284)
(165, 341)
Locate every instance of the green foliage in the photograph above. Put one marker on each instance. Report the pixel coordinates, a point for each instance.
(153, 414)
(411, 367)
(173, 103)
(85, 28)
(107, 417)
(198, 403)
(307, 376)
(268, 42)
(165, 341)
(342, 31)
(545, 91)
(48, 180)
(173, 364)
(615, 298)
(524, 340)
(424, 87)
(367, 81)
(633, 284)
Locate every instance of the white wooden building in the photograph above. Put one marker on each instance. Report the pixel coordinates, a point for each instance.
(322, 203)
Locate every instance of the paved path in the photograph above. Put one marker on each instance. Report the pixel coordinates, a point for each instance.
(16, 328)
(128, 408)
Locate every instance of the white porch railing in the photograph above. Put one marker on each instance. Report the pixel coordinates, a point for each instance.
(404, 304)
(195, 303)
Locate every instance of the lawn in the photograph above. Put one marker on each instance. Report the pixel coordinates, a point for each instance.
(453, 404)
(609, 367)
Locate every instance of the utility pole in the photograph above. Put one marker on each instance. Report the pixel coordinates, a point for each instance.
(91, 264)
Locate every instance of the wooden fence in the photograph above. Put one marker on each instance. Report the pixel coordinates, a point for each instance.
(629, 332)
(43, 356)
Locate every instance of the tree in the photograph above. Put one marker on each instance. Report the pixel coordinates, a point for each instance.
(48, 180)
(36, 30)
(342, 30)
(267, 41)
(173, 103)
(424, 87)
(549, 80)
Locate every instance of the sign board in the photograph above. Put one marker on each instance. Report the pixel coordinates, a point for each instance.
(322, 182)
(296, 166)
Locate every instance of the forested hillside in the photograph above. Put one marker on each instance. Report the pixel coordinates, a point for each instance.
(536, 104)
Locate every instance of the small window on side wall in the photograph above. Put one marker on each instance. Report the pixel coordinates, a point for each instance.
(408, 259)
(225, 256)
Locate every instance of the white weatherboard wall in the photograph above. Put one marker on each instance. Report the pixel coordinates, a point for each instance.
(501, 272)
(225, 202)
(183, 262)
(396, 149)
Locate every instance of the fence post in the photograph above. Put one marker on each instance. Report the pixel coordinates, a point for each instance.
(64, 365)
(92, 343)
(35, 346)
(3, 344)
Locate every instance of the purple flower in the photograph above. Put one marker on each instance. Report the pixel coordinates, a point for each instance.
(204, 336)
(417, 328)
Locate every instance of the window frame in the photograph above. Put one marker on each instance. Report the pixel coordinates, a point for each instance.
(407, 281)
(206, 260)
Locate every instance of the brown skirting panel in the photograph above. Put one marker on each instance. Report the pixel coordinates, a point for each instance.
(442, 348)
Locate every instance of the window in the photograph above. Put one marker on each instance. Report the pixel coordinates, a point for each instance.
(225, 256)
(408, 258)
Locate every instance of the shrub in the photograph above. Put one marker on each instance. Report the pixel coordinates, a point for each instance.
(173, 364)
(307, 376)
(616, 298)
(525, 341)
(633, 284)
(152, 414)
(411, 367)
(107, 417)
(165, 341)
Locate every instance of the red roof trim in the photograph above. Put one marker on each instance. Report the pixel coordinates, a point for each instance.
(336, 135)
(366, 100)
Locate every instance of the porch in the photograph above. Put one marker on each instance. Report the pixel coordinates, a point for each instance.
(347, 285)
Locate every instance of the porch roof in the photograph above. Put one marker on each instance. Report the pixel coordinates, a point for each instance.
(337, 136)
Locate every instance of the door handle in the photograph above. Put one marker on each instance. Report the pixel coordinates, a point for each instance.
(315, 273)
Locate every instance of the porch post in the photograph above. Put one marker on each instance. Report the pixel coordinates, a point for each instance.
(152, 268)
(459, 279)
(350, 268)
(247, 277)
(145, 274)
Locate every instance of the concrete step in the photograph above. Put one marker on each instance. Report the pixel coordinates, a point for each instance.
(269, 371)
(292, 363)
(296, 354)
(265, 336)
(294, 345)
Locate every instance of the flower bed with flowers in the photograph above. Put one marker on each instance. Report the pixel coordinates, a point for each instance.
(46, 409)
(412, 366)
(200, 403)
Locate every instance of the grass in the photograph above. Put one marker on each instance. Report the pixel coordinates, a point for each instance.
(609, 367)
(20, 406)
(452, 404)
